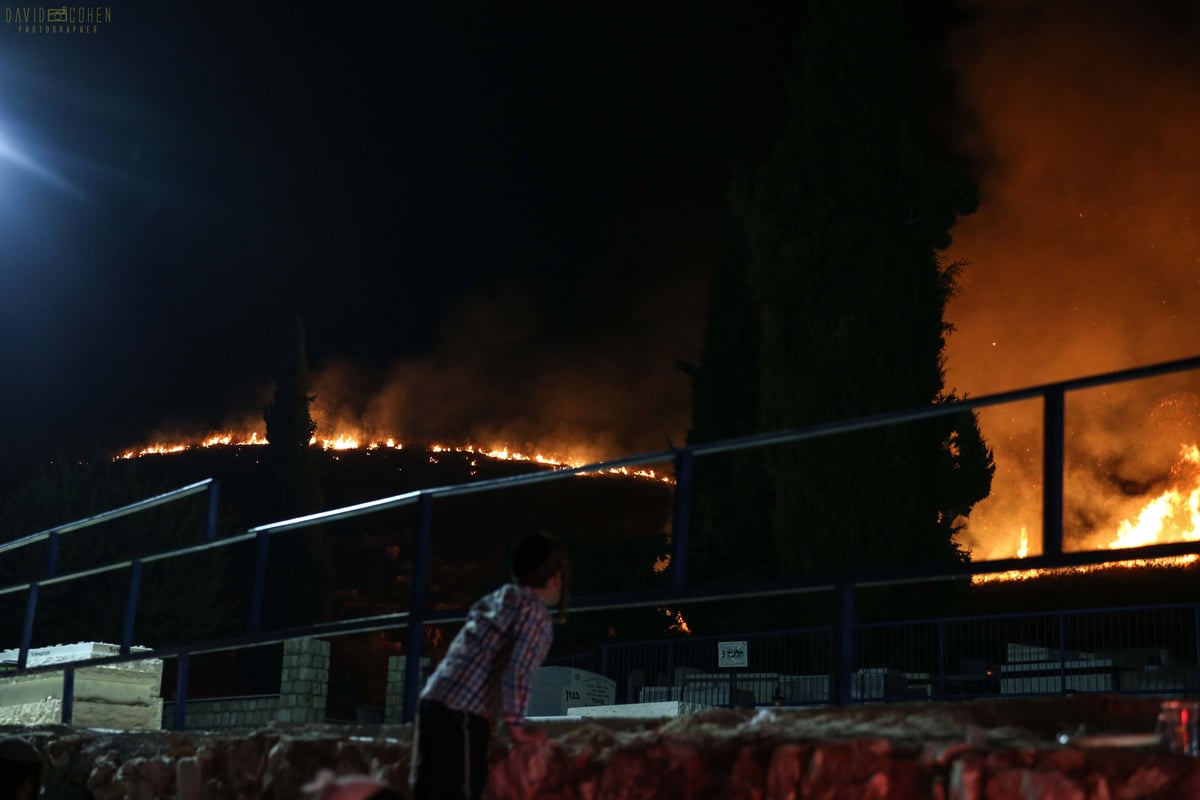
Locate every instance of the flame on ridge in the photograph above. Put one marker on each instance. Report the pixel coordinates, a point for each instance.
(345, 441)
(1172, 516)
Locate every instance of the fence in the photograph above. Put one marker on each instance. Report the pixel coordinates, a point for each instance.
(1139, 650)
(842, 633)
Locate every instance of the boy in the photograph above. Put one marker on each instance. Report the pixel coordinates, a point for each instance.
(487, 672)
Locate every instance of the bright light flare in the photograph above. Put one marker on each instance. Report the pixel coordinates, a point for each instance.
(12, 153)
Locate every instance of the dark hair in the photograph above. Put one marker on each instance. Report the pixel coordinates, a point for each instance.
(536, 559)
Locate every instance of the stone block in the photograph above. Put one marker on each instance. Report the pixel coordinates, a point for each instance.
(637, 710)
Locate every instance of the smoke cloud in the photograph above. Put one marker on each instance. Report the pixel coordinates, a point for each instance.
(1084, 256)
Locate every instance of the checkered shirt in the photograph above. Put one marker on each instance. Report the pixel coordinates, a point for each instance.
(491, 661)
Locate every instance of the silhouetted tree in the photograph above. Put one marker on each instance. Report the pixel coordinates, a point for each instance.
(731, 513)
(300, 584)
(290, 429)
(844, 226)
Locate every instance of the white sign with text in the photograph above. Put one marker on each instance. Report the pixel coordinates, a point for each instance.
(733, 654)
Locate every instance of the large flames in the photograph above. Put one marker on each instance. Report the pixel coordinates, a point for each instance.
(352, 441)
(1171, 516)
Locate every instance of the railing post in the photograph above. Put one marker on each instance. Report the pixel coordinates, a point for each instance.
(51, 554)
(1062, 653)
(681, 520)
(131, 604)
(1196, 635)
(1052, 472)
(210, 532)
(941, 659)
(68, 694)
(260, 582)
(27, 628)
(416, 606)
(181, 692)
(843, 654)
(671, 668)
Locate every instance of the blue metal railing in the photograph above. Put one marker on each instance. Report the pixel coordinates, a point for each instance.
(1152, 649)
(845, 584)
(51, 537)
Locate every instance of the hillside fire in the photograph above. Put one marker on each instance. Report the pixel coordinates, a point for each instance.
(352, 441)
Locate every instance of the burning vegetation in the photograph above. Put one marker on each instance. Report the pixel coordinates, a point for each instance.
(1171, 516)
(346, 441)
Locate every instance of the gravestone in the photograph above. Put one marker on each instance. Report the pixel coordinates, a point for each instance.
(555, 689)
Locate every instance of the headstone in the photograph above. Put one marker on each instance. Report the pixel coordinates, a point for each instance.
(555, 689)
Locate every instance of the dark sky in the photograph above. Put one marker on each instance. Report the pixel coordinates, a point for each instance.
(478, 201)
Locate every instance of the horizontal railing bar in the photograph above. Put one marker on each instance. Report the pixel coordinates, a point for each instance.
(108, 516)
(195, 548)
(163, 556)
(345, 512)
(1021, 614)
(941, 409)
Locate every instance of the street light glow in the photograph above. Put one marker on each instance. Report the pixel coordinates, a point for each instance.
(11, 153)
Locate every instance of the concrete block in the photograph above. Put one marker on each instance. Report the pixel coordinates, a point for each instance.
(638, 710)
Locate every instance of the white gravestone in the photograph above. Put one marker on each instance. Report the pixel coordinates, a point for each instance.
(555, 689)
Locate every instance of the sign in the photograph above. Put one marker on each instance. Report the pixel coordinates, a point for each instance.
(733, 654)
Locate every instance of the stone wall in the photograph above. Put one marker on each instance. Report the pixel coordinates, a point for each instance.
(226, 712)
(393, 706)
(304, 681)
(984, 750)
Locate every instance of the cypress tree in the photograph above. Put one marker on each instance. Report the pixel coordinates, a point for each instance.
(844, 226)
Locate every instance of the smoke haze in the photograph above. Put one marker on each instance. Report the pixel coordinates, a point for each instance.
(1084, 256)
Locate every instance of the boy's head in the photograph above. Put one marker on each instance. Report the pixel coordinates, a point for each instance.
(536, 559)
(539, 561)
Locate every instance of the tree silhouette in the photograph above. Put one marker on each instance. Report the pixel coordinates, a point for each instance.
(844, 225)
(290, 428)
(299, 585)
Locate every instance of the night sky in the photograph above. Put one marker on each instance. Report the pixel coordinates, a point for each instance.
(499, 225)
(498, 205)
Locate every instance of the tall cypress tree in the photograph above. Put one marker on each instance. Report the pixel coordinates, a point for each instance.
(844, 226)
(299, 582)
(731, 517)
(290, 428)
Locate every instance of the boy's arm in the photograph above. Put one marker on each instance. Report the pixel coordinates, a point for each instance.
(532, 636)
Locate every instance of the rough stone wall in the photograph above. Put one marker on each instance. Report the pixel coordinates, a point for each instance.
(228, 712)
(393, 704)
(984, 750)
(304, 681)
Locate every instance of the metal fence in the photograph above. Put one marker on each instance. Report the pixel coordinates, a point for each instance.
(844, 649)
(1136, 649)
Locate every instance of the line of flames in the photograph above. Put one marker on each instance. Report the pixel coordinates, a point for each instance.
(1173, 516)
(346, 442)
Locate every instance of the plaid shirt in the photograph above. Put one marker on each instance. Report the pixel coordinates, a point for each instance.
(491, 661)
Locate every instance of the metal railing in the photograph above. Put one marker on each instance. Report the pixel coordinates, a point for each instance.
(51, 576)
(1152, 649)
(843, 584)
